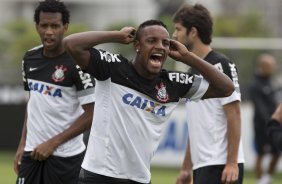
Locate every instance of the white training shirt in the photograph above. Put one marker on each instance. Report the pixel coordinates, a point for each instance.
(207, 123)
(57, 90)
(130, 115)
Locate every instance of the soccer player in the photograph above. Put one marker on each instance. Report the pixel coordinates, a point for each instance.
(135, 98)
(214, 151)
(262, 95)
(60, 105)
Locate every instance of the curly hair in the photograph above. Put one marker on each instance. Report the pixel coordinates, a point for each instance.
(53, 6)
(196, 16)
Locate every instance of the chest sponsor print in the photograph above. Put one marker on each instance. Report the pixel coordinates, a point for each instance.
(45, 89)
(144, 104)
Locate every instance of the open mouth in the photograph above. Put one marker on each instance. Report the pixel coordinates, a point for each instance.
(157, 58)
(49, 41)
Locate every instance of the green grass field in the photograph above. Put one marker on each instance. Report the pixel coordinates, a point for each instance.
(167, 176)
(159, 175)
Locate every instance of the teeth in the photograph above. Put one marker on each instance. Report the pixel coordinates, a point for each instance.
(157, 54)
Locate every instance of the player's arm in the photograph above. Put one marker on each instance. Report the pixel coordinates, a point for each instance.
(20, 150)
(220, 85)
(274, 127)
(83, 123)
(186, 174)
(233, 115)
(78, 44)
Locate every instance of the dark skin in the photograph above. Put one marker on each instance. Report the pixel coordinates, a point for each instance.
(51, 31)
(277, 115)
(153, 39)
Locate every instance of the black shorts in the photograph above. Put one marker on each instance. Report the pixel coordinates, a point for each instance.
(86, 177)
(212, 174)
(262, 143)
(54, 170)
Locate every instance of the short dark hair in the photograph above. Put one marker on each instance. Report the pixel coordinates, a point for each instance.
(53, 6)
(196, 16)
(146, 24)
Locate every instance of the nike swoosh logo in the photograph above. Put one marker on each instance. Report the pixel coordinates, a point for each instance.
(32, 69)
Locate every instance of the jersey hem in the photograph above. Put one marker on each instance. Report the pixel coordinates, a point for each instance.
(241, 161)
(115, 175)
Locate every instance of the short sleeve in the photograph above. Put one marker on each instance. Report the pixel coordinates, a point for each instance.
(86, 96)
(24, 79)
(235, 96)
(85, 85)
(198, 88)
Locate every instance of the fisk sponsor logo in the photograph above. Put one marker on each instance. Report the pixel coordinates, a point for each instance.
(181, 78)
(233, 71)
(45, 89)
(234, 75)
(144, 104)
(109, 57)
(85, 78)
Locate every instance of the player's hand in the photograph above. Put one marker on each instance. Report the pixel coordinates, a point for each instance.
(230, 174)
(18, 158)
(277, 115)
(129, 35)
(177, 50)
(43, 151)
(184, 177)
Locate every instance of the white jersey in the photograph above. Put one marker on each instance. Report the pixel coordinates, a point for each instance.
(57, 90)
(207, 123)
(130, 115)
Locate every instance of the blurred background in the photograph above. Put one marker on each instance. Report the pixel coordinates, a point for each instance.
(242, 30)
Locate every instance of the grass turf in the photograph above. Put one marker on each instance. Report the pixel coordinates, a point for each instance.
(159, 175)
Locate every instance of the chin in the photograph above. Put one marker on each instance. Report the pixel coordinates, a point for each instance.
(155, 71)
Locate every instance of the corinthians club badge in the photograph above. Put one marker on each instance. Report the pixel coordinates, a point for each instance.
(162, 93)
(59, 74)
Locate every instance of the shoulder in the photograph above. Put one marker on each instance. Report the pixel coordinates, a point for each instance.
(34, 52)
(107, 56)
(215, 57)
(222, 62)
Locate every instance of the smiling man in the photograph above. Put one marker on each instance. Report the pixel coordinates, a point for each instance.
(135, 98)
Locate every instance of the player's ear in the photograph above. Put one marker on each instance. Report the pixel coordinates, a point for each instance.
(136, 45)
(66, 26)
(193, 31)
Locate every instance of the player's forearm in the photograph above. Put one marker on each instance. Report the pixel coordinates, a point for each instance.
(277, 115)
(81, 124)
(24, 131)
(233, 131)
(89, 39)
(187, 162)
(233, 147)
(78, 45)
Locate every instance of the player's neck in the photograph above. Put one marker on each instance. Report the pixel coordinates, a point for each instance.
(201, 50)
(54, 52)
